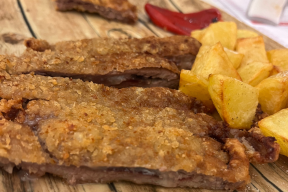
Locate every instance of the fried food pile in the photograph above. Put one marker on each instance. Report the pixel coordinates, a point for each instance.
(147, 62)
(235, 72)
(54, 122)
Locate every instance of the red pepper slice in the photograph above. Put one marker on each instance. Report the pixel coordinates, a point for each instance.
(181, 23)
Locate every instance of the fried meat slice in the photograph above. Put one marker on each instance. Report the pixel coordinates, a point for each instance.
(198, 124)
(112, 62)
(181, 50)
(120, 10)
(74, 90)
(117, 70)
(84, 142)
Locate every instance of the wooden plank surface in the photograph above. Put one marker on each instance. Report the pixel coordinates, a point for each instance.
(13, 29)
(114, 29)
(11, 20)
(48, 24)
(54, 26)
(17, 182)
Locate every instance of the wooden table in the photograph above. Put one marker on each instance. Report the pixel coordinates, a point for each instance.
(20, 19)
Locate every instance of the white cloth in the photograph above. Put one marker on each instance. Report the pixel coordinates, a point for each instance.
(238, 10)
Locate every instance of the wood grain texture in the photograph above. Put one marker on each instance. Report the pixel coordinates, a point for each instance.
(163, 189)
(131, 187)
(274, 174)
(282, 164)
(114, 29)
(13, 29)
(54, 26)
(260, 183)
(11, 20)
(18, 182)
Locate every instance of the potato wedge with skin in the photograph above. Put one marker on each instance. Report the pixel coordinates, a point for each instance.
(253, 73)
(253, 50)
(235, 101)
(223, 32)
(234, 57)
(213, 60)
(243, 33)
(195, 86)
(273, 93)
(279, 58)
(276, 126)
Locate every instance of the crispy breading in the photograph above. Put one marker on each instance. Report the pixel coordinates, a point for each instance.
(175, 45)
(91, 136)
(37, 44)
(19, 144)
(119, 117)
(239, 162)
(52, 62)
(75, 90)
(181, 50)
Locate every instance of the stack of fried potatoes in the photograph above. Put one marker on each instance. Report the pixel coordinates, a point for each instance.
(233, 73)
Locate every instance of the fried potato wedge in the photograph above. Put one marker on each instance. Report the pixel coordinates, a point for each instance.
(223, 32)
(276, 126)
(234, 57)
(279, 58)
(253, 73)
(253, 50)
(197, 34)
(213, 60)
(235, 101)
(275, 70)
(273, 93)
(243, 33)
(195, 86)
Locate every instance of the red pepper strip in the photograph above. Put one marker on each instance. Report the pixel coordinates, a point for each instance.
(181, 23)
